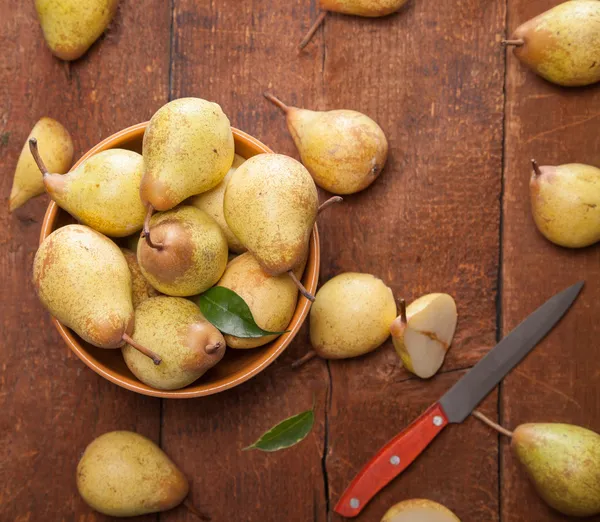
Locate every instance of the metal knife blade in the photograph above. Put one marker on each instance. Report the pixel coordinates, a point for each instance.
(469, 391)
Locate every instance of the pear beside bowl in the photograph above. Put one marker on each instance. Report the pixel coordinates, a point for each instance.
(238, 365)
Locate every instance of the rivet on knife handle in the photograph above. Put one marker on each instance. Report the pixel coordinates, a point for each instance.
(391, 460)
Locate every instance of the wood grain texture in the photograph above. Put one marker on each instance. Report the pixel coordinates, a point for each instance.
(558, 382)
(52, 405)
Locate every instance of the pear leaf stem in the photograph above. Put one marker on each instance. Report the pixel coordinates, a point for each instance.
(33, 147)
(312, 30)
(331, 201)
(478, 415)
(301, 287)
(304, 359)
(536, 168)
(140, 348)
(276, 101)
(516, 43)
(194, 511)
(146, 229)
(403, 317)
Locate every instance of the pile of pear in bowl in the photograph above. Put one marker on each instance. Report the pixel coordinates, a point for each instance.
(163, 221)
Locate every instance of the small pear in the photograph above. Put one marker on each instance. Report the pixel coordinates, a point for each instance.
(344, 150)
(563, 462)
(271, 205)
(83, 280)
(123, 474)
(70, 27)
(562, 45)
(565, 203)
(188, 149)
(271, 299)
(188, 254)
(422, 333)
(175, 329)
(211, 202)
(351, 316)
(366, 8)
(419, 510)
(142, 289)
(56, 149)
(102, 192)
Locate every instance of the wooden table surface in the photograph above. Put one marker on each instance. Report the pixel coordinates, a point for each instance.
(450, 213)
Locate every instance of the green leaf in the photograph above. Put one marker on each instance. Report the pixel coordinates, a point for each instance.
(286, 434)
(229, 313)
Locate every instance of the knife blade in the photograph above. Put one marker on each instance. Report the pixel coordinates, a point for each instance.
(456, 404)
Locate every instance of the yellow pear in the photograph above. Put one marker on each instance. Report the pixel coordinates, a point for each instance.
(422, 333)
(565, 203)
(102, 192)
(351, 316)
(211, 202)
(344, 150)
(188, 149)
(562, 45)
(124, 474)
(419, 510)
(271, 299)
(188, 254)
(271, 205)
(56, 149)
(142, 289)
(174, 329)
(70, 27)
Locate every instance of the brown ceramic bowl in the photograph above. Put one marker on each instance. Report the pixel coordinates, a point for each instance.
(238, 365)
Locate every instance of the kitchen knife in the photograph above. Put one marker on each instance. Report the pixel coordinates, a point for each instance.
(456, 405)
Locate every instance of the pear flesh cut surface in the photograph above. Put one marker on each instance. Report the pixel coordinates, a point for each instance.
(563, 462)
(211, 202)
(423, 340)
(368, 8)
(565, 203)
(344, 150)
(56, 149)
(188, 148)
(124, 474)
(175, 329)
(192, 256)
(83, 280)
(419, 510)
(103, 192)
(563, 44)
(271, 205)
(70, 27)
(351, 316)
(271, 299)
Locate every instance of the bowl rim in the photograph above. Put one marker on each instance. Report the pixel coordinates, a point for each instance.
(281, 343)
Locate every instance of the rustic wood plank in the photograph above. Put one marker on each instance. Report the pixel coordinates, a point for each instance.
(52, 405)
(432, 76)
(230, 52)
(558, 381)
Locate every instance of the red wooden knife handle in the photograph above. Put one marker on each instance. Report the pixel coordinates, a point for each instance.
(391, 460)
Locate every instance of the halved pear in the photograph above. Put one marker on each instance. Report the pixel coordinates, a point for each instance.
(422, 333)
(419, 510)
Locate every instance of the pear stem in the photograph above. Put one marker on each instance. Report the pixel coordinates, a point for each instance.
(517, 43)
(312, 30)
(536, 168)
(329, 202)
(478, 415)
(146, 229)
(33, 147)
(310, 355)
(212, 348)
(403, 317)
(140, 348)
(192, 509)
(276, 101)
(301, 287)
